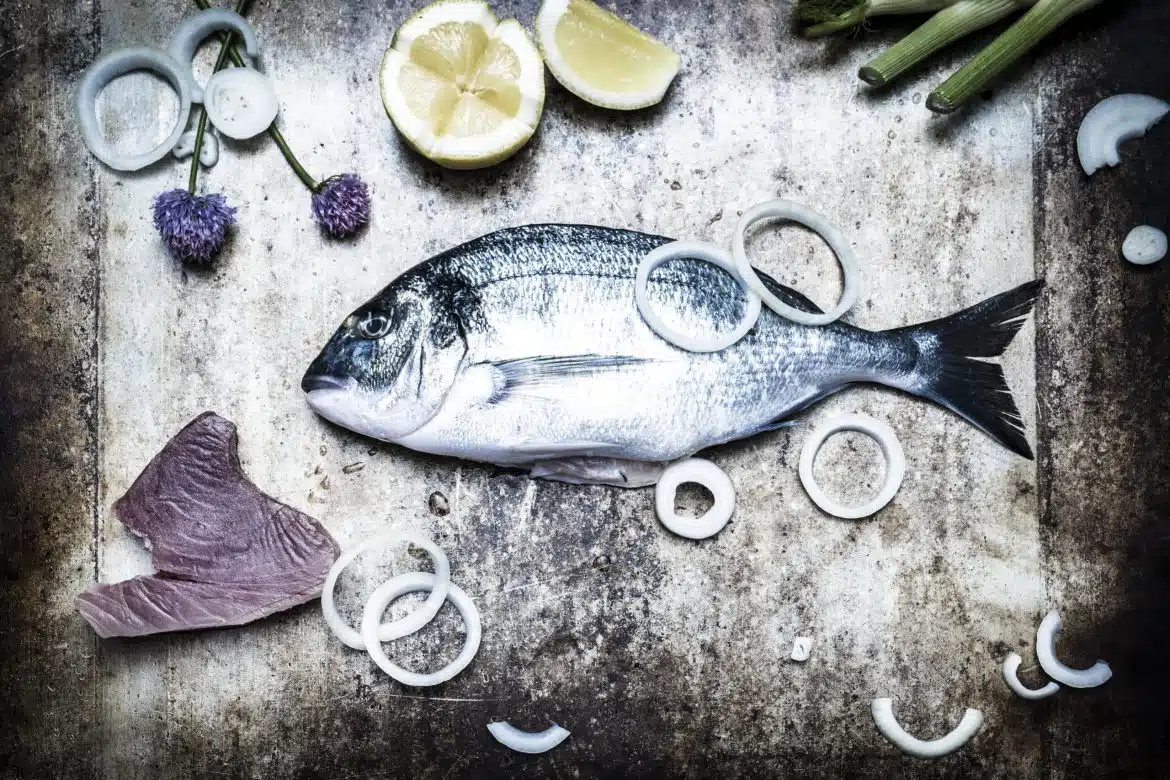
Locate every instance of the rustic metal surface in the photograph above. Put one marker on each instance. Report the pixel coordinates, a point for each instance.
(664, 657)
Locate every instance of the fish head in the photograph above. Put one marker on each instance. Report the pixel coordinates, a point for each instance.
(387, 368)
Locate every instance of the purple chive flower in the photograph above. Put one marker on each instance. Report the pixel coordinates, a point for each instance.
(192, 226)
(342, 205)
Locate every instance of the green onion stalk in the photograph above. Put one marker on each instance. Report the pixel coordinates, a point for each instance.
(826, 17)
(957, 20)
(1044, 17)
(953, 19)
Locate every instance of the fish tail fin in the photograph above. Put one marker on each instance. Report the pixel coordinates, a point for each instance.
(950, 372)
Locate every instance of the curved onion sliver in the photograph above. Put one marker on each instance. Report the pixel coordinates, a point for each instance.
(887, 724)
(1011, 665)
(1112, 121)
(528, 741)
(1098, 674)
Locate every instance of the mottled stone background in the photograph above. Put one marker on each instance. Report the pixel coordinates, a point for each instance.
(666, 658)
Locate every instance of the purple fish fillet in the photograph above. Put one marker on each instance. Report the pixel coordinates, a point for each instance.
(226, 553)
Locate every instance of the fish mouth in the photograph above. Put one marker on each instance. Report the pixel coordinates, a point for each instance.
(312, 382)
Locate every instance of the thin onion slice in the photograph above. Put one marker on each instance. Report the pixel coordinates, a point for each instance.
(887, 724)
(188, 35)
(796, 212)
(710, 476)
(241, 103)
(1011, 665)
(411, 583)
(1098, 674)
(106, 69)
(697, 250)
(1112, 121)
(528, 741)
(891, 449)
(403, 626)
(208, 153)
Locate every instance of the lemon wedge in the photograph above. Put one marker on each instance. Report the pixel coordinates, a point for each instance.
(601, 58)
(465, 89)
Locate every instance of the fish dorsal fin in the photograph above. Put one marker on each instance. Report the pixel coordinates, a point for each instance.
(796, 300)
(529, 375)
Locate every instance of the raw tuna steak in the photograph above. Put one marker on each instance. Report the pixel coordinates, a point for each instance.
(225, 552)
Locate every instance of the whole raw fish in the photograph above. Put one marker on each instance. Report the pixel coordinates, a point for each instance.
(525, 348)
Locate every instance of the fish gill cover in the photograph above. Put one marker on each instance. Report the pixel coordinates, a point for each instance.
(225, 552)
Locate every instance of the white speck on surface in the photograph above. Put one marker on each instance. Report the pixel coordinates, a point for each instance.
(801, 648)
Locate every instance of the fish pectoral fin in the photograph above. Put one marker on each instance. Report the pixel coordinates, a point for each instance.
(541, 450)
(529, 375)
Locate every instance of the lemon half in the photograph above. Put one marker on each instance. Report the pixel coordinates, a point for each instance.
(465, 89)
(601, 58)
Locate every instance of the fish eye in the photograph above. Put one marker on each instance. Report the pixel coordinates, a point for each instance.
(374, 325)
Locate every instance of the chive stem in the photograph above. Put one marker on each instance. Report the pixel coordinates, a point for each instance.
(945, 27)
(281, 144)
(241, 8)
(1017, 40)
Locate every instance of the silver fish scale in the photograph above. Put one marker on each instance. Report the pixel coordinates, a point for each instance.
(557, 291)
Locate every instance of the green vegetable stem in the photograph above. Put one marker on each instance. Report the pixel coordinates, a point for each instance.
(228, 43)
(273, 131)
(953, 20)
(945, 27)
(825, 17)
(1044, 17)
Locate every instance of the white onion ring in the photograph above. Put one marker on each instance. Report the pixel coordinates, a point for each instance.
(697, 250)
(527, 741)
(796, 212)
(710, 476)
(1011, 665)
(410, 583)
(403, 626)
(106, 69)
(891, 448)
(241, 103)
(1098, 674)
(188, 35)
(887, 724)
